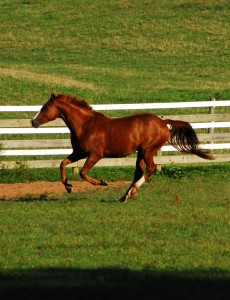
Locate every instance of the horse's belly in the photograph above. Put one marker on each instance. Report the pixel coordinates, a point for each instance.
(117, 154)
(120, 149)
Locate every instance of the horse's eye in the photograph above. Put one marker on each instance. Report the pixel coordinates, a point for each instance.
(44, 108)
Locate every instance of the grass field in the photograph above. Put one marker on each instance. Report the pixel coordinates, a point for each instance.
(117, 51)
(167, 242)
(173, 240)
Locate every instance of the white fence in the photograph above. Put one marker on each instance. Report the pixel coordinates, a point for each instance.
(134, 106)
(209, 121)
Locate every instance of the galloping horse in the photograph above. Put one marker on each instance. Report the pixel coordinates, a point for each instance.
(94, 136)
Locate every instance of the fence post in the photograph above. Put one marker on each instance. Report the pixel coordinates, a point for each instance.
(75, 169)
(212, 112)
(159, 167)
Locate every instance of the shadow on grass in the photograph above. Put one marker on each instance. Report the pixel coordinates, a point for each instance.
(113, 284)
(29, 198)
(64, 197)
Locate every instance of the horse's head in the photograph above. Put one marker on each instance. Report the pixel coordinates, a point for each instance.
(48, 112)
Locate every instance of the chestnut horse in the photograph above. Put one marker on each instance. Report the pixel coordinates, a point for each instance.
(94, 136)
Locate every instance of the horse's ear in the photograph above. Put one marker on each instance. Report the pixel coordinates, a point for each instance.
(52, 97)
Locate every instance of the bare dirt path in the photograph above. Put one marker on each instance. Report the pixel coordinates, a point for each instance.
(18, 190)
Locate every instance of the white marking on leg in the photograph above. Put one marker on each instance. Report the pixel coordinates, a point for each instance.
(140, 182)
(136, 186)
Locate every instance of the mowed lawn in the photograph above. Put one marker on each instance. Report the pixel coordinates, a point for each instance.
(114, 51)
(171, 241)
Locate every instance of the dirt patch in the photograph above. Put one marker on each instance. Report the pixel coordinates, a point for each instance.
(10, 191)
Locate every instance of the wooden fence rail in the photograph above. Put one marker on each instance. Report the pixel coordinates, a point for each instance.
(14, 148)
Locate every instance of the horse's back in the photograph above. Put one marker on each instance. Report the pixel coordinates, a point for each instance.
(125, 135)
(145, 120)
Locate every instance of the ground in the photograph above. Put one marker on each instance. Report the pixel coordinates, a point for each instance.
(19, 190)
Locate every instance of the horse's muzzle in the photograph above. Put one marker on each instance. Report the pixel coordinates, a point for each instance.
(35, 123)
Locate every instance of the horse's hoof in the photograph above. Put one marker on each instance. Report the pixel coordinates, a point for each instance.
(133, 194)
(69, 188)
(124, 198)
(104, 182)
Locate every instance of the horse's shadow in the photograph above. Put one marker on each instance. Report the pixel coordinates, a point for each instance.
(112, 283)
(45, 197)
(108, 201)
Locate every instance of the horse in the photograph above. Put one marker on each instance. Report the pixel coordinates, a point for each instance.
(94, 136)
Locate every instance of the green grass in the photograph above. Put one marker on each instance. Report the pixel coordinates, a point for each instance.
(24, 174)
(116, 51)
(172, 240)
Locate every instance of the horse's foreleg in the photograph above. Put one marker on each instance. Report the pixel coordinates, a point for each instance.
(90, 162)
(68, 160)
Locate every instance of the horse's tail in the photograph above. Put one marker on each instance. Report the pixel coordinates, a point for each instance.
(184, 138)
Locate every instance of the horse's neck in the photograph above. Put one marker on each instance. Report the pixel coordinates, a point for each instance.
(74, 118)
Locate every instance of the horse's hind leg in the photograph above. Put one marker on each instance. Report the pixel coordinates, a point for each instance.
(150, 169)
(140, 164)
